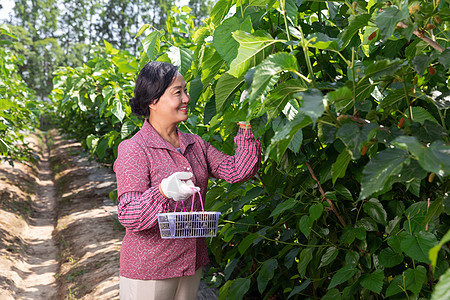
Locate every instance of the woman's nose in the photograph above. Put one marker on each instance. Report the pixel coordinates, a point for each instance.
(186, 98)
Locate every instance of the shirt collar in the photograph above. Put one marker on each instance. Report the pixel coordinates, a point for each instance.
(154, 140)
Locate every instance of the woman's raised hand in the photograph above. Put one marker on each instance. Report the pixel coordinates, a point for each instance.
(178, 186)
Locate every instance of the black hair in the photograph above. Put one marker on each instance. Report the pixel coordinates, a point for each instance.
(153, 80)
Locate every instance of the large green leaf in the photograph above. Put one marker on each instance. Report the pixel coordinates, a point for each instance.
(420, 114)
(278, 97)
(415, 278)
(389, 258)
(127, 128)
(246, 242)
(238, 288)
(225, 87)
(356, 23)
(266, 273)
(396, 286)
(373, 281)
(210, 68)
(382, 67)
(339, 167)
(322, 41)
(181, 57)
(393, 97)
(442, 288)
(269, 67)
(433, 253)
(223, 40)
(380, 168)
(375, 210)
(151, 44)
(296, 290)
(341, 98)
(328, 257)
(283, 206)
(342, 275)
(251, 50)
(305, 257)
(291, 11)
(118, 110)
(354, 136)
(388, 19)
(417, 246)
(315, 211)
(220, 10)
(312, 103)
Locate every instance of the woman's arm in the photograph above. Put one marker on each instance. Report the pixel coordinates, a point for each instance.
(138, 201)
(137, 211)
(245, 162)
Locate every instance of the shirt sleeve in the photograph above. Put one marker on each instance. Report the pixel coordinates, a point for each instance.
(137, 211)
(139, 202)
(240, 167)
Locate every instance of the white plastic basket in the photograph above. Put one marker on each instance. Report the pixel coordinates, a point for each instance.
(174, 225)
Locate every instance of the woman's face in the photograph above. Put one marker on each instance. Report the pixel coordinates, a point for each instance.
(172, 107)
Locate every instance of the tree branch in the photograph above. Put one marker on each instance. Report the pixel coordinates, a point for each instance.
(333, 208)
(423, 37)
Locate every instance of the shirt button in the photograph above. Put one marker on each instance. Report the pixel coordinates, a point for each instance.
(188, 168)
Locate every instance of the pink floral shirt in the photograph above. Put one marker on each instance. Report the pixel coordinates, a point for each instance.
(142, 162)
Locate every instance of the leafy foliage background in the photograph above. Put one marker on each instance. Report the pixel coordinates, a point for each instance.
(350, 101)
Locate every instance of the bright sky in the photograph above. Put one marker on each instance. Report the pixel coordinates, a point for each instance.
(9, 4)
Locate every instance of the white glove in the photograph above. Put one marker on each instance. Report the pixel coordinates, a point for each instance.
(178, 186)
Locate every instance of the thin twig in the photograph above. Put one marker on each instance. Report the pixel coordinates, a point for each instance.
(333, 208)
(423, 37)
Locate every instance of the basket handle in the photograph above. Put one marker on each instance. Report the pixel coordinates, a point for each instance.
(194, 191)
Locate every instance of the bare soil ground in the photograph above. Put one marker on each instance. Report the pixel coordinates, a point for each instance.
(59, 234)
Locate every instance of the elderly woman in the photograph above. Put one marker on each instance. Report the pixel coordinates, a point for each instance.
(157, 167)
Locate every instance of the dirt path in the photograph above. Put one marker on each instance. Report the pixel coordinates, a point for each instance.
(59, 233)
(39, 279)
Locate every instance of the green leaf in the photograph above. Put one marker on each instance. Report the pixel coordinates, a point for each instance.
(393, 97)
(142, 29)
(305, 228)
(181, 57)
(220, 10)
(388, 258)
(210, 68)
(375, 209)
(246, 242)
(225, 87)
(380, 168)
(342, 275)
(388, 19)
(433, 253)
(420, 114)
(266, 273)
(374, 281)
(356, 23)
(329, 256)
(239, 287)
(381, 68)
(118, 110)
(339, 168)
(312, 103)
(278, 97)
(396, 286)
(269, 67)
(322, 41)
(151, 45)
(251, 50)
(353, 136)
(304, 259)
(127, 128)
(415, 278)
(341, 98)
(101, 148)
(421, 63)
(315, 211)
(6, 104)
(444, 58)
(3, 146)
(442, 288)
(223, 40)
(291, 11)
(332, 294)
(296, 290)
(285, 205)
(417, 246)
